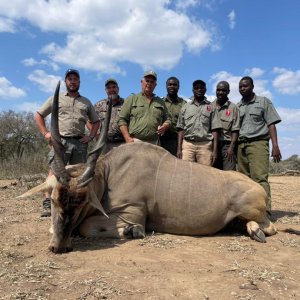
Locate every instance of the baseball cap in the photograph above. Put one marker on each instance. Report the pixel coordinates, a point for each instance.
(72, 71)
(111, 80)
(150, 73)
(200, 82)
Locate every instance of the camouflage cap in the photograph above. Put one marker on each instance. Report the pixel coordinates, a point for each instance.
(150, 73)
(111, 80)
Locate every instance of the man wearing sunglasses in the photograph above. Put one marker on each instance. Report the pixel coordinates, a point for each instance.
(74, 111)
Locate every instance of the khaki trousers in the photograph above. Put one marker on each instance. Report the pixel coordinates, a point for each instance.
(199, 152)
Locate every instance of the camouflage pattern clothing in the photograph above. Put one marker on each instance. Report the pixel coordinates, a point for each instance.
(114, 133)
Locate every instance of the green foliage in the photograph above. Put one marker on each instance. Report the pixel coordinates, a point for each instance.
(22, 148)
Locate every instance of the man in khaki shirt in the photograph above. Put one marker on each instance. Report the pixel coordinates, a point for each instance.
(74, 111)
(144, 116)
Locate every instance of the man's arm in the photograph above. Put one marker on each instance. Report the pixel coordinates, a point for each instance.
(231, 149)
(180, 135)
(214, 158)
(93, 128)
(126, 135)
(275, 148)
(41, 124)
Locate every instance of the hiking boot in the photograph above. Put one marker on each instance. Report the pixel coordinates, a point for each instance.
(46, 208)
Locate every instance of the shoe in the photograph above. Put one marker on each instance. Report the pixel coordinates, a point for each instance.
(46, 208)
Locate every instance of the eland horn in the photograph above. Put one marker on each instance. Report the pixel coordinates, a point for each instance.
(93, 155)
(58, 165)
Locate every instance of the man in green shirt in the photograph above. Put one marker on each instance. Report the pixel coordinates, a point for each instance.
(169, 140)
(198, 128)
(144, 116)
(258, 118)
(229, 117)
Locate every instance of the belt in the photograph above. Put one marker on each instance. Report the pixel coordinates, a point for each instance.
(225, 142)
(77, 137)
(255, 139)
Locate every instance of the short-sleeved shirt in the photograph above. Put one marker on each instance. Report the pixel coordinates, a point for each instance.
(198, 121)
(256, 116)
(114, 133)
(143, 118)
(73, 113)
(174, 108)
(229, 117)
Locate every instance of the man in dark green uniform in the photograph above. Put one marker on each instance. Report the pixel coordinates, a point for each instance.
(258, 118)
(144, 116)
(169, 140)
(229, 117)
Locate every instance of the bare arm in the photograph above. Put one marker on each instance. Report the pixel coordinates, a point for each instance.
(214, 158)
(275, 148)
(231, 149)
(180, 135)
(127, 137)
(93, 128)
(41, 124)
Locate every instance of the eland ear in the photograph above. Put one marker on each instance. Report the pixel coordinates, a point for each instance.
(40, 188)
(95, 202)
(46, 186)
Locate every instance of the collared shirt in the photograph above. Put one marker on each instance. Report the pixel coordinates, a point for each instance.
(174, 108)
(256, 116)
(198, 121)
(73, 113)
(229, 117)
(114, 133)
(143, 118)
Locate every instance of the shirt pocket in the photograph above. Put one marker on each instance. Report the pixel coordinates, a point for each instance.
(226, 122)
(256, 115)
(158, 112)
(205, 117)
(137, 111)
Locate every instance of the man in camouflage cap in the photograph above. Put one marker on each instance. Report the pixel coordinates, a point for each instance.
(115, 137)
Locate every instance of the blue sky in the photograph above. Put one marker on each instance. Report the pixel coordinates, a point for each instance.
(191, 39)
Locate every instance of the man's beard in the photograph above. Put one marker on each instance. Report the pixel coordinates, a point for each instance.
(73, 89)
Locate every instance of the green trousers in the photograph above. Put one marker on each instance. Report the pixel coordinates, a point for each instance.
(253, 161)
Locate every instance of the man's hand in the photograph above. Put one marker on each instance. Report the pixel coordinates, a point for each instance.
(276, 154)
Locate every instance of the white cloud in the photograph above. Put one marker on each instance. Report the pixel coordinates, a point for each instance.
(7, 90)
(231, 17)
(260, 85)
(255, 72)
(28, 107)
(185, 4)
(46, 82)
(30, 62)
(233, 81)
(287, 82)
(99, 37)
(7, 25)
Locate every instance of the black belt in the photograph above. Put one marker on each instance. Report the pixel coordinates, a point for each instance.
(77, 137)
(255, 139)
(225, 142)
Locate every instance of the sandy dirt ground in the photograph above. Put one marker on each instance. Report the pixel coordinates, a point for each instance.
(228, 265)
